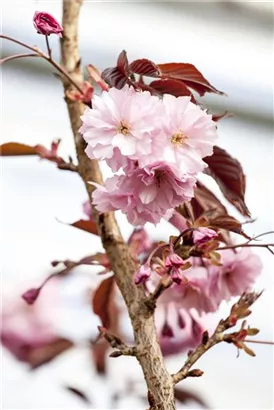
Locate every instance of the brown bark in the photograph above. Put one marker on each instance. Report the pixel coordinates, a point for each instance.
(159, 381)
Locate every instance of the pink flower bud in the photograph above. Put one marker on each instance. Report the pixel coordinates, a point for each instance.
(176, 275)
(31, 295)
(142, 274)
(46, 24)
(174, 260)
(203, 235)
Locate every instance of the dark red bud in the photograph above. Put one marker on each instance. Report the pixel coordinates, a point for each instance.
(31, 295)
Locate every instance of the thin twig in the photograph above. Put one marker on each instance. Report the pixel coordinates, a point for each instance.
(247, 245)
(261, 342)
(16, 56)
(164, 284)
(238, 311)
(68, 166)
(48, 58)
(117, 343)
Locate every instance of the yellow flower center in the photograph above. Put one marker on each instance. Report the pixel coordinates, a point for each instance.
(179, 138)
(123, 129)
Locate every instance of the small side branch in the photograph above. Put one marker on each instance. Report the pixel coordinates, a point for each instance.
(238, 311)
(164, 284)
(117, 343)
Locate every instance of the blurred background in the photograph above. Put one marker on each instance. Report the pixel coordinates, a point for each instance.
(231, 43)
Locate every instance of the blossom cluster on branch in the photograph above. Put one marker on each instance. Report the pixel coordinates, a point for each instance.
(157, 139)
(158, 143)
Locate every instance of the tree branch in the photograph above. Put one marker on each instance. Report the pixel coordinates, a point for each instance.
(238, 311)
(149, 355)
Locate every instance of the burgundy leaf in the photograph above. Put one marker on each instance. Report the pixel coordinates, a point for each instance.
(144, 67)
(44, 354)
(189, 74)
(15, 148)
(204, 200)
(114, 78)
(86, 225)
(122, 62)
(101, 300)
(228, 223)
(185, 396)
(169, 86)
(229, 175)
(117, 76)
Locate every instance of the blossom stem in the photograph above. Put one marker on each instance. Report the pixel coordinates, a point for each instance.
(48, 58)
(162, 246)
(48, 47)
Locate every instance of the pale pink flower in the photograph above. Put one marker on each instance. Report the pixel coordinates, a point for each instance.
(209, 285)
(238, 272)
(46, 24)
(118, 161)
(178, 221)
(144, 195)
(123, 119)
(140, 242)
(189, 134)
(180, 332)
(203, 235)
(25, 328)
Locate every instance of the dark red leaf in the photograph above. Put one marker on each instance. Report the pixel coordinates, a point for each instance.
(44, 354)
(78, 393)
(169, 86)
(228, 223)
(189, 74)
(185, 396)
(15, 148)
(114, 78)
(229, 175)
(101, 300)
(86, 225)
(144, 67)
(204, 200)
(122, 62)
(117, 76)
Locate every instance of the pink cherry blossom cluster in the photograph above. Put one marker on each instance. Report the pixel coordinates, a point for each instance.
(186, 305)
(158, 144)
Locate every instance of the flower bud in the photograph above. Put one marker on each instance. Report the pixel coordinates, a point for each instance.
(174, 260)
(31, 295)
(142, 274)
(203, 235)
(46, 24)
